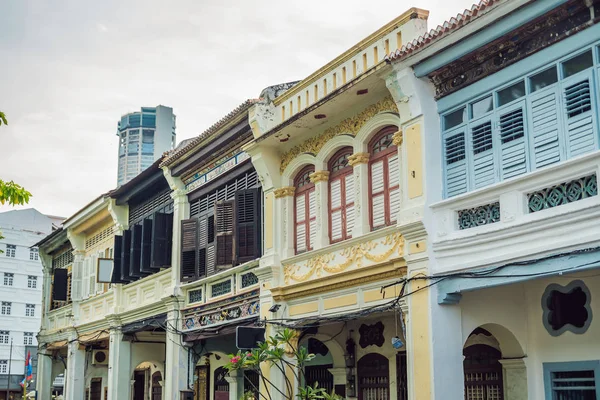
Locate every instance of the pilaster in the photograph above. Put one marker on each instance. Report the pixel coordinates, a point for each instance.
(514, 375)
(284, 198)
(236, 384)
(119, 362)
(75, 379)
(360, 165)
(321, 181)
(44, 375)
(176, 362)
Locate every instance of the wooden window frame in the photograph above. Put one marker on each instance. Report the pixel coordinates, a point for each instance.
(305, 191)
(341, 175)
(376, 157)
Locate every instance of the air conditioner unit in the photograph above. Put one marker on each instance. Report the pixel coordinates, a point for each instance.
(100, 357)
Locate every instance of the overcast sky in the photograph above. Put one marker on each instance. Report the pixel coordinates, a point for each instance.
(70, 68)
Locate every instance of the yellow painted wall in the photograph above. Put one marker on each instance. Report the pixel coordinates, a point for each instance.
(421, 354)
(269, 221)
(341, 301)
(305, 308)
(414, 161)
(418, 247)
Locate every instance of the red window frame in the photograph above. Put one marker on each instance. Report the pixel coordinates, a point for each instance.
(339, 171)
(303, 187)
(381, 148)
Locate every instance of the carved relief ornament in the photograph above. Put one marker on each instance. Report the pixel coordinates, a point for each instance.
(350, 126)
(353, 255)
(358, 158)
(284, 192)
(398, 138)
(319, 176)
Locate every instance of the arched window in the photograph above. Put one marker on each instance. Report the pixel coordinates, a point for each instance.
(341, 196)
(305, 210)
(384, 179)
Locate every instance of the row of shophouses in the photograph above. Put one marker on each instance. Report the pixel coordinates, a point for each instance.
(425, 218)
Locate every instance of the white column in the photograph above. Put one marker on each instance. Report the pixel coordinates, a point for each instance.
(119, 366)
(339, 376)
(360, 163)
(236, 384)
(321, 179)
(181, 211)
(284, 197)
(75, 379)
(176, 362)
(44, 375)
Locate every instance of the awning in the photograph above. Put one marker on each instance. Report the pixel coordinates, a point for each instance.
(158, 322)
(214, 331)
(95, 336)
(56, 345)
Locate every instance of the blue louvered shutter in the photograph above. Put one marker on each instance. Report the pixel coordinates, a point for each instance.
(579, 113)
(545, 124)
(455, 163)
(482, 147)
(511, 138)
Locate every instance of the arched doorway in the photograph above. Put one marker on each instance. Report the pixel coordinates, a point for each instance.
(221, 385)
(317, 370)
(482, 368)
(373, 377)
(147, 376)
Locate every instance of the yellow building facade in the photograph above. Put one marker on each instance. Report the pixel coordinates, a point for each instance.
(341, 163)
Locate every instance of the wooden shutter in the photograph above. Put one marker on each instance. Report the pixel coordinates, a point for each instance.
(210, 246)
(455, 164)
(579, 110)
(336, 210)
(349, 190)
(482, 146)
(99, 285)
(169, 249)
(117, 257)
(159, 241)
(224, 222)
(91, 262)
(393, 186)
(545, 123)
(136, 252)
(312, 215)
(513, 153)
(189, 249)
(377, 194)
(301, 242)
(146, 246)
(248, 225)
(60, 285)
(126, 256)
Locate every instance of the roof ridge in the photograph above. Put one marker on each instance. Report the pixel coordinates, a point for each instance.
(171, 155)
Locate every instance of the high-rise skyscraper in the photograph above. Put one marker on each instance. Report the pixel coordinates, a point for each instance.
(143, 137)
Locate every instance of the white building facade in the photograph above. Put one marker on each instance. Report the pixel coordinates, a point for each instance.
(20, 291)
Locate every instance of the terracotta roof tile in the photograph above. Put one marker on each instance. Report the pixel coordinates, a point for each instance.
(169, 157)
(446, 28)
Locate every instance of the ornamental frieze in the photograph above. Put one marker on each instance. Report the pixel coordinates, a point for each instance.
(512, 47)
(374, 251)
(238, 307)
(349, 126)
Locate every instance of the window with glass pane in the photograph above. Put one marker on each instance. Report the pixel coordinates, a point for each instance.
(8, 279)
(30, 310)
(511, 93)
(455, 118)
(577, 64)
(32, 282)
(33, 254)
(28, 338)
(543, 79)
(3, 366)
(6, 308)
(4, 336)
(481, 107)
(11, 250)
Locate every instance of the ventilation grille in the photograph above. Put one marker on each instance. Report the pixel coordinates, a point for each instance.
(221, 288)
(160, 200)
(225, 192)
(99, 237)
(564, 193)
(478, 216)
(63, 260)
(195, 296)
(249, 279)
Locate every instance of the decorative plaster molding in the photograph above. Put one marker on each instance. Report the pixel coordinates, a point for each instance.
(484, 339)
(319, 176)
(353, 255)
(398, 138)
(349, 126)
(284, 192)
(358, 158)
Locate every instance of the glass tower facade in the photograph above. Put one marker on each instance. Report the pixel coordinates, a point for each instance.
(143, 137)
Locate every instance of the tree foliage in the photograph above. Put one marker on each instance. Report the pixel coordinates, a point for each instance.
(3, 118)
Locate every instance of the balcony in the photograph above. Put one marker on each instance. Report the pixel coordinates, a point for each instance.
(548, 211)
(59, 319)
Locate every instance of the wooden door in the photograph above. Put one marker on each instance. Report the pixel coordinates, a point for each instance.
(483, 373)
(373, 377)
(156, 386)
(139, 378)
(401, 376)
(221, 384)
(202, 383)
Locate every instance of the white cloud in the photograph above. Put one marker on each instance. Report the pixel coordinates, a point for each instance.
(66, 86)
